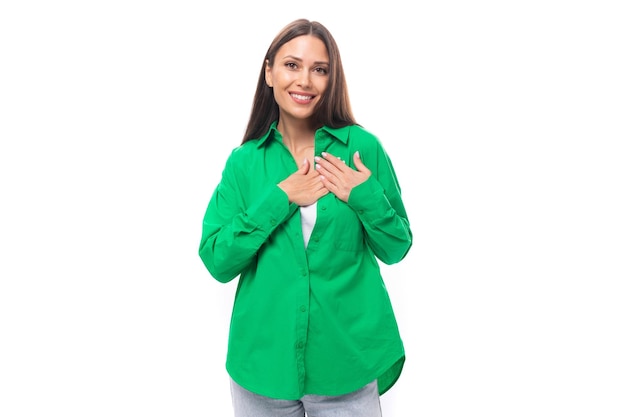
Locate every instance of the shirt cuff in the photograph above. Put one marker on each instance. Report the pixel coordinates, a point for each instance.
(271, 209)
(368, 200)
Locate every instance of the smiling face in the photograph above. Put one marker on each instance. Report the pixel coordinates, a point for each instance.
(299, 76)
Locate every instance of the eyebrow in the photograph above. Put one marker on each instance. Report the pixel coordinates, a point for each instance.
(295, 58)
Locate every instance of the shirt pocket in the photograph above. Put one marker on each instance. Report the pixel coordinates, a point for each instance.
(347, 228)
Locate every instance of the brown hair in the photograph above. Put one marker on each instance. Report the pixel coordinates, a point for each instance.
(333, 109)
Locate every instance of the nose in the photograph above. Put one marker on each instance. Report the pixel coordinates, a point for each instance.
(304, 79)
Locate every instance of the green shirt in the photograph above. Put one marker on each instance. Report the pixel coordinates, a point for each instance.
(314, 320)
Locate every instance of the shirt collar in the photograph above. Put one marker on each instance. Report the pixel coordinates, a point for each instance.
(340, 133)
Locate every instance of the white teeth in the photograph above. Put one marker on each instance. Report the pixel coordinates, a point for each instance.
(299, 97)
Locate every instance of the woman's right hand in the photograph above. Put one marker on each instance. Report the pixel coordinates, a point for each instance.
(304, 187)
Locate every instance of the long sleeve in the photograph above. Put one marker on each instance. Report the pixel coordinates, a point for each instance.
(234, 229)
(378, 203)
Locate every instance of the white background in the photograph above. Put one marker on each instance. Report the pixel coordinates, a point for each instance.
(506, 125)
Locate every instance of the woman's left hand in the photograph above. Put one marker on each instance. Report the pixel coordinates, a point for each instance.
(338, 177)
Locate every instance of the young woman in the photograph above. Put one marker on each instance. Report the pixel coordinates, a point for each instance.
(307, 206)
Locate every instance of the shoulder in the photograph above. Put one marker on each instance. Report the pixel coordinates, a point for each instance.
(355, 134)
(360, 131)
(240, 157)
(242, 152)
(364, 139)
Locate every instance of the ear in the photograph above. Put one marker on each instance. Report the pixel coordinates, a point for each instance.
(268, 74)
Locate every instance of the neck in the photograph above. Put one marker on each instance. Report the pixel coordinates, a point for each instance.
(297, 135)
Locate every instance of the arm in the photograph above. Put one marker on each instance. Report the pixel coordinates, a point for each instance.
(378, 204)
(233, 231)
(376, 198)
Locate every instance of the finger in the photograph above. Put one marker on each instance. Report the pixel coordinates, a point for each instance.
(335, 160)
(327, 183)
(312, 173)
(325, 173)
(304, 167)
(358, 164)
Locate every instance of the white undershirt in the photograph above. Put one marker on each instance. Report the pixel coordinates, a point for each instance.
(308, 214)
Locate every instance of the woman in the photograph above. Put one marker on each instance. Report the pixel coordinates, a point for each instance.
(306, 206)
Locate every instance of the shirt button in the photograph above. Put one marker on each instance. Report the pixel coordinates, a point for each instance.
(323, 207)
(273, 222)
(303, 308)
(299, 345)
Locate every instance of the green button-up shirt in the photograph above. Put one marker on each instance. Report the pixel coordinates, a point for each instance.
(314, 319)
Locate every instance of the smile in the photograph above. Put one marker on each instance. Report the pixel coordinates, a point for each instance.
(301, 97)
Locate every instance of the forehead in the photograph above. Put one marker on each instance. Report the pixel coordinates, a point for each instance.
(305, 47)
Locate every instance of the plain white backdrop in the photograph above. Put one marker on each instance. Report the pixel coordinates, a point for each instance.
(506, 125)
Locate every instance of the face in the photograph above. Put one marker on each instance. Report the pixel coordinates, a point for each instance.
(299, 76)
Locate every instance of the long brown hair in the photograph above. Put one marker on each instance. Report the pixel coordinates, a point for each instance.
(332, 110)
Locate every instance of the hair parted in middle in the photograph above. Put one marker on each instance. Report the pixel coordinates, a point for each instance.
(333, 109)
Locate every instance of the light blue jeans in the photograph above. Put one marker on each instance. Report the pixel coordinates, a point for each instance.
(364, 402)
